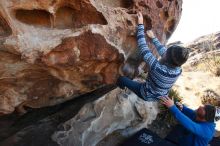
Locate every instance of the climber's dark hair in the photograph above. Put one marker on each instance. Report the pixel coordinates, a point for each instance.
(177, 55)
(210, 113)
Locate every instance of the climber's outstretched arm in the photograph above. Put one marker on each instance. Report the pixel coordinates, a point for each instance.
(161, 49)
(145, 52)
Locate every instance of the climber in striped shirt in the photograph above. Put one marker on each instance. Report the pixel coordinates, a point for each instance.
(162, 74)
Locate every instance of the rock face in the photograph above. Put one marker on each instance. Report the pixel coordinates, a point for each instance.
(54, 50)
(205, 52)
(97, 120)
(205, 44)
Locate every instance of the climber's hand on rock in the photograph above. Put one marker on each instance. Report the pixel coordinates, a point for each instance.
(140, 18)
(150, 34)
(167, 101)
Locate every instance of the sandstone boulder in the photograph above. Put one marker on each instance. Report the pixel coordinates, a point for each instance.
(115, 111)
(55, 50)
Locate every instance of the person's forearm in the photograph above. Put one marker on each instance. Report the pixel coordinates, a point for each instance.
(160, 48)
(142, 44)
(187, 122)
(145, 52)
(189, 112)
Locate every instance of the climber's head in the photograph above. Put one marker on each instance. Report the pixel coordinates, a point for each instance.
(176, 55)
(206, 113)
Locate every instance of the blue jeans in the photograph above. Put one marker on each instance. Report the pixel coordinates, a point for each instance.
(134, 86)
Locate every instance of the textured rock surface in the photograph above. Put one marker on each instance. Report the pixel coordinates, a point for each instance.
(95, 122)
(36, 127)
(205, 54)
(114, 116)
(205, 43)
(114, 111)
(50, 50)
(204, 47)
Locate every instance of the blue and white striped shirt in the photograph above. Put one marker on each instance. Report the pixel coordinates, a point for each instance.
(160, 77)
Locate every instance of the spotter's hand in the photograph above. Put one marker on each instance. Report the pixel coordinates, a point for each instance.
(167, 101)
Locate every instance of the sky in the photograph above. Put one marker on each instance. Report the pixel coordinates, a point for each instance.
(199, 17)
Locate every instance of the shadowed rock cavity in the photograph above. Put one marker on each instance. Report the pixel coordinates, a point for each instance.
(34, 17)
(169, 27)
(65, 17)
(5, 29)
(117, 3)
(159, 4)
(164, 15)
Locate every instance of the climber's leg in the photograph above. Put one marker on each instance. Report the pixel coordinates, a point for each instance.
(134, 86)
